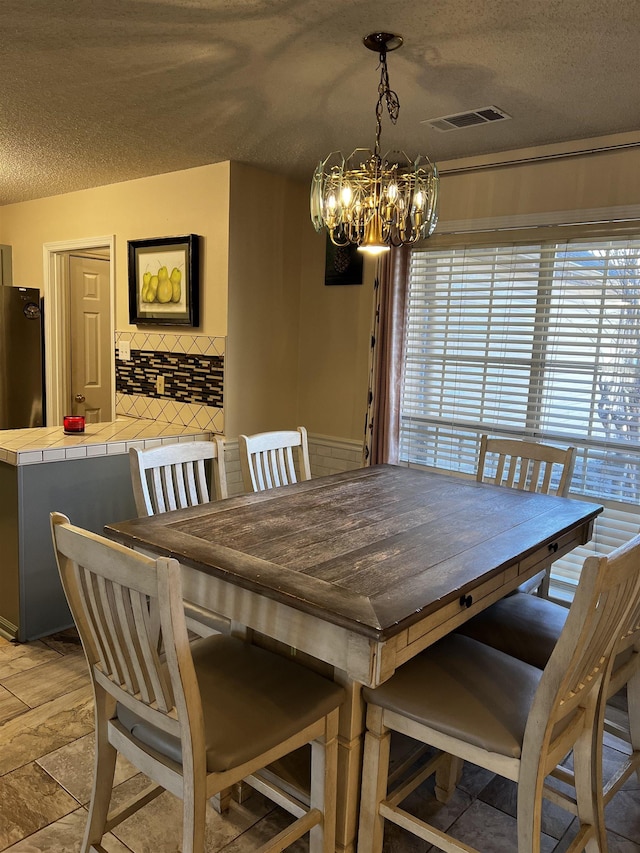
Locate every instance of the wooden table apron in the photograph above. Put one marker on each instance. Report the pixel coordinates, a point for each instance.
(362, 570)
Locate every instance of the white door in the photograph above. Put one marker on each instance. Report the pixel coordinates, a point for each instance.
(90, 349)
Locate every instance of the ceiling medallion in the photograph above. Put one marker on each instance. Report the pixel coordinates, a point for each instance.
(372, 201)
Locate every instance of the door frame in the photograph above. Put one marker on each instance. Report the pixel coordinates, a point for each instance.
(56, 326)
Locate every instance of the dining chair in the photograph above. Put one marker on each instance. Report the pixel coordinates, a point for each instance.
(174, 476)
(530, 466)
(528, 628)
(267, 459)
(199, 717)
(478, 704)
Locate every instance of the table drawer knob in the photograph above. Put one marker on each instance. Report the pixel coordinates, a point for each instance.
(553, 547)
(466, 600)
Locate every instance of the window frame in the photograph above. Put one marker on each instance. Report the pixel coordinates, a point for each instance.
(621, 515)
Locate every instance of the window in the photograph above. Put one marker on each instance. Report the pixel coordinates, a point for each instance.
(535, 340)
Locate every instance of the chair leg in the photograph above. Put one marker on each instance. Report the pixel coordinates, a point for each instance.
(448, 775)
(633, 704)
(194, 796)
(324, 770)
(194, 806)
(587, 768)
(375, 770)
(103, 773)
(529, 813)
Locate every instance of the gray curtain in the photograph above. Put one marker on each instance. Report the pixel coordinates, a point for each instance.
(386, 362)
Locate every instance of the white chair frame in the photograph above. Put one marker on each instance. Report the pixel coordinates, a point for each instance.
(267, 459)
(566, 714)
(126, 606)
(526, 465)
(494, 626)
(530, 466)
(173, 476)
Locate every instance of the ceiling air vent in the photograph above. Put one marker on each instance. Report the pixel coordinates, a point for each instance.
(458, 121)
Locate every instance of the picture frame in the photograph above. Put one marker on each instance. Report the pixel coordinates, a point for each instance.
(343, 264)
(164, 281)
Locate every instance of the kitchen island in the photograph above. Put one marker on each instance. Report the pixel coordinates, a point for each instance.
(86, 476)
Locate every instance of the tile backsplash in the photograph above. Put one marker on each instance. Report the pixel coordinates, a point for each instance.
(192, 370)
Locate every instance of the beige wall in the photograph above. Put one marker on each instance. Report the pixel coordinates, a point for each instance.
(610, 179)
(335, 337)
(265, 258)
(195, 201)
(297, 351)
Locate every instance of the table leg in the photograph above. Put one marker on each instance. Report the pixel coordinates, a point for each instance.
(350, 748)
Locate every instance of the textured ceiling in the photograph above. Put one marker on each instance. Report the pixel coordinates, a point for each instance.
(96, 92)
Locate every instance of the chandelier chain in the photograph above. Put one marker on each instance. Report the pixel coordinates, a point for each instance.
(389, 97)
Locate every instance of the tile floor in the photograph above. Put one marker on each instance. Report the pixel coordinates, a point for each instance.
(46, 763)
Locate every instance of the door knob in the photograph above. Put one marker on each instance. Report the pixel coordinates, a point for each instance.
(79, 398)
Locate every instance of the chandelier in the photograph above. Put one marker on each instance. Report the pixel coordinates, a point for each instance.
(372, 201)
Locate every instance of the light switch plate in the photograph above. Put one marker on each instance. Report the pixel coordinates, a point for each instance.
(124, 351)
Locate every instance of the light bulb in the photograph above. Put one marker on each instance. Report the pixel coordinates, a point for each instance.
(374, 249)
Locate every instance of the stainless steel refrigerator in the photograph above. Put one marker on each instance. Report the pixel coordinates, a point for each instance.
(21, 359)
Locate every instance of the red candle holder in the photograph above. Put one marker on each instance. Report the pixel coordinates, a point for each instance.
(73, 424)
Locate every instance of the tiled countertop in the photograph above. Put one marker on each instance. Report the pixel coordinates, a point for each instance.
(50, 444)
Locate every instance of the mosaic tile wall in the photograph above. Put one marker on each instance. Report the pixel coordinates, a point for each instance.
(193, 371)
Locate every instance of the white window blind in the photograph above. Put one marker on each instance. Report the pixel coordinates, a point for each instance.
(537, 340)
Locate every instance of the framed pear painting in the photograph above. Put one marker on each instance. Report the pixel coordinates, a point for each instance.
(164, 281)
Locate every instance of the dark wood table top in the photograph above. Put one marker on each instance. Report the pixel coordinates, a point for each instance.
(374, 549)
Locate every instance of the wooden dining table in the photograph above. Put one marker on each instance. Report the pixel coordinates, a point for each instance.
(360, 571)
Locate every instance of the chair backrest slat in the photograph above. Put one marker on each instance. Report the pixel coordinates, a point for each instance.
(525, 465)
(180, 475)
(174, 476)
(156, 492)
(546, 480)
(268, 459)
(169, 488)
(95, 616)
(279, 467)
(126, 626)
(110, 624)
(196, 483)
(157, 689)
(508, 480)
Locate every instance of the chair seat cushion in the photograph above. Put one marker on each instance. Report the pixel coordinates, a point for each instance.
(465, 689)
(252, 700)
(524, 626)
